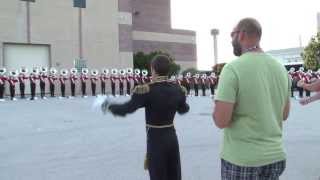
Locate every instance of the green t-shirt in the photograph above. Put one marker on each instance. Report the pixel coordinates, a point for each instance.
(259, 86)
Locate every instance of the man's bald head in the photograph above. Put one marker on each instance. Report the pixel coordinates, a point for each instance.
(251, 27)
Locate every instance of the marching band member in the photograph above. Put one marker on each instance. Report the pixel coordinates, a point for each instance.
(94, 78)
(129, 78)
(203, 84)
(212, 82)
(22, 78)
(195, 84)
(103, 80)
(307, 79)
(113, 79)
(33, 78)
(42, 77)
(63, 77)
(300, 77)
(179, 79)
(84, 78)
(52, 78)
(121, 81)
(3, 79)
(73, 78)
(136, 77)
(187, 82)
(144, 78)
(12, 82)
(292, 76)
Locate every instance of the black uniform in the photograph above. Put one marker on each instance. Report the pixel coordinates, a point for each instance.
(33, 79)
(21, 78)
(42, 85)
(162, 144)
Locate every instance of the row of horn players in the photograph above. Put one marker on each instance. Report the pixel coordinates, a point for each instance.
(65, 72)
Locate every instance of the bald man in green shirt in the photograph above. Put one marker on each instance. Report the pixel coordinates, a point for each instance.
(252, 101)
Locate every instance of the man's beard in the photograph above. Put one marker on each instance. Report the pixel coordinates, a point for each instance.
(237, 50)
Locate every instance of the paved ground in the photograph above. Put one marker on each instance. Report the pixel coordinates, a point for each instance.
(67, 140)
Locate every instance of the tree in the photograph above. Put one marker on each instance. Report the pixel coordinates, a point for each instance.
(218, 68)
(142, 61)
(311, 53)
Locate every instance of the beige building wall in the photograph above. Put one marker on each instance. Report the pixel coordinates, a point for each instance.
(56, 23)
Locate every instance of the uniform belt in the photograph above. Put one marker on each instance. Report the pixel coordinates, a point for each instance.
(159, 126)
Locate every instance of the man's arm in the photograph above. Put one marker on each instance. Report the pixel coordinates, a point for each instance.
(222, 114)
(226, 98)
(314, 86)
(137, 101)
(286, 110)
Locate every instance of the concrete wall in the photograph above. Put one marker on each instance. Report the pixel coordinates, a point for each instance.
(152, 31)
(56, 23)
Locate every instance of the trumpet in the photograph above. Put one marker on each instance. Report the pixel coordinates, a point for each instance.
(85, 71)
(114, 71)
(137, 71)
(23, 70)
(3, 71)
(105, 71)
(64, 72)
(188, 74)
(35, 71)
(73, 71)
(53, 71)
(144, 72)
(13, 73)
(94, 72)
(44, 70)
(122, 72)
(129, 71)
(204, 76)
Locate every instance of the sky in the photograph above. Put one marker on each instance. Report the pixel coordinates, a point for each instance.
(284, 23)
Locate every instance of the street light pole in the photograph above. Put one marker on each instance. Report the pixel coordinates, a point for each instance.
(215, 33)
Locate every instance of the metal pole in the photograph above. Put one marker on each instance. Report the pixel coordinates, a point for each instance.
(214, 33)
(28, 22)
(215, 49)
(80, 35)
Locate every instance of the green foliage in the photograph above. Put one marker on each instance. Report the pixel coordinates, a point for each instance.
(142, 61)
(191, 70)
(218, 68)
(311, 53)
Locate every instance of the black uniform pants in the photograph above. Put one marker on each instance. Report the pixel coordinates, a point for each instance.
(51, 89)
(196, 89)
(63, 90)
(93, 89)
(22, 87)
(203, 87)
(42, 89)
(33, 90)
(212, 89)
(300, 92)
(128, 88)
(103, 88)
(163, 154)
(1, 91)
(113, 88)
(73, 89)
(188, 88)
(307, 93)
(83, 88)
(12, 91)
(121, 88)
